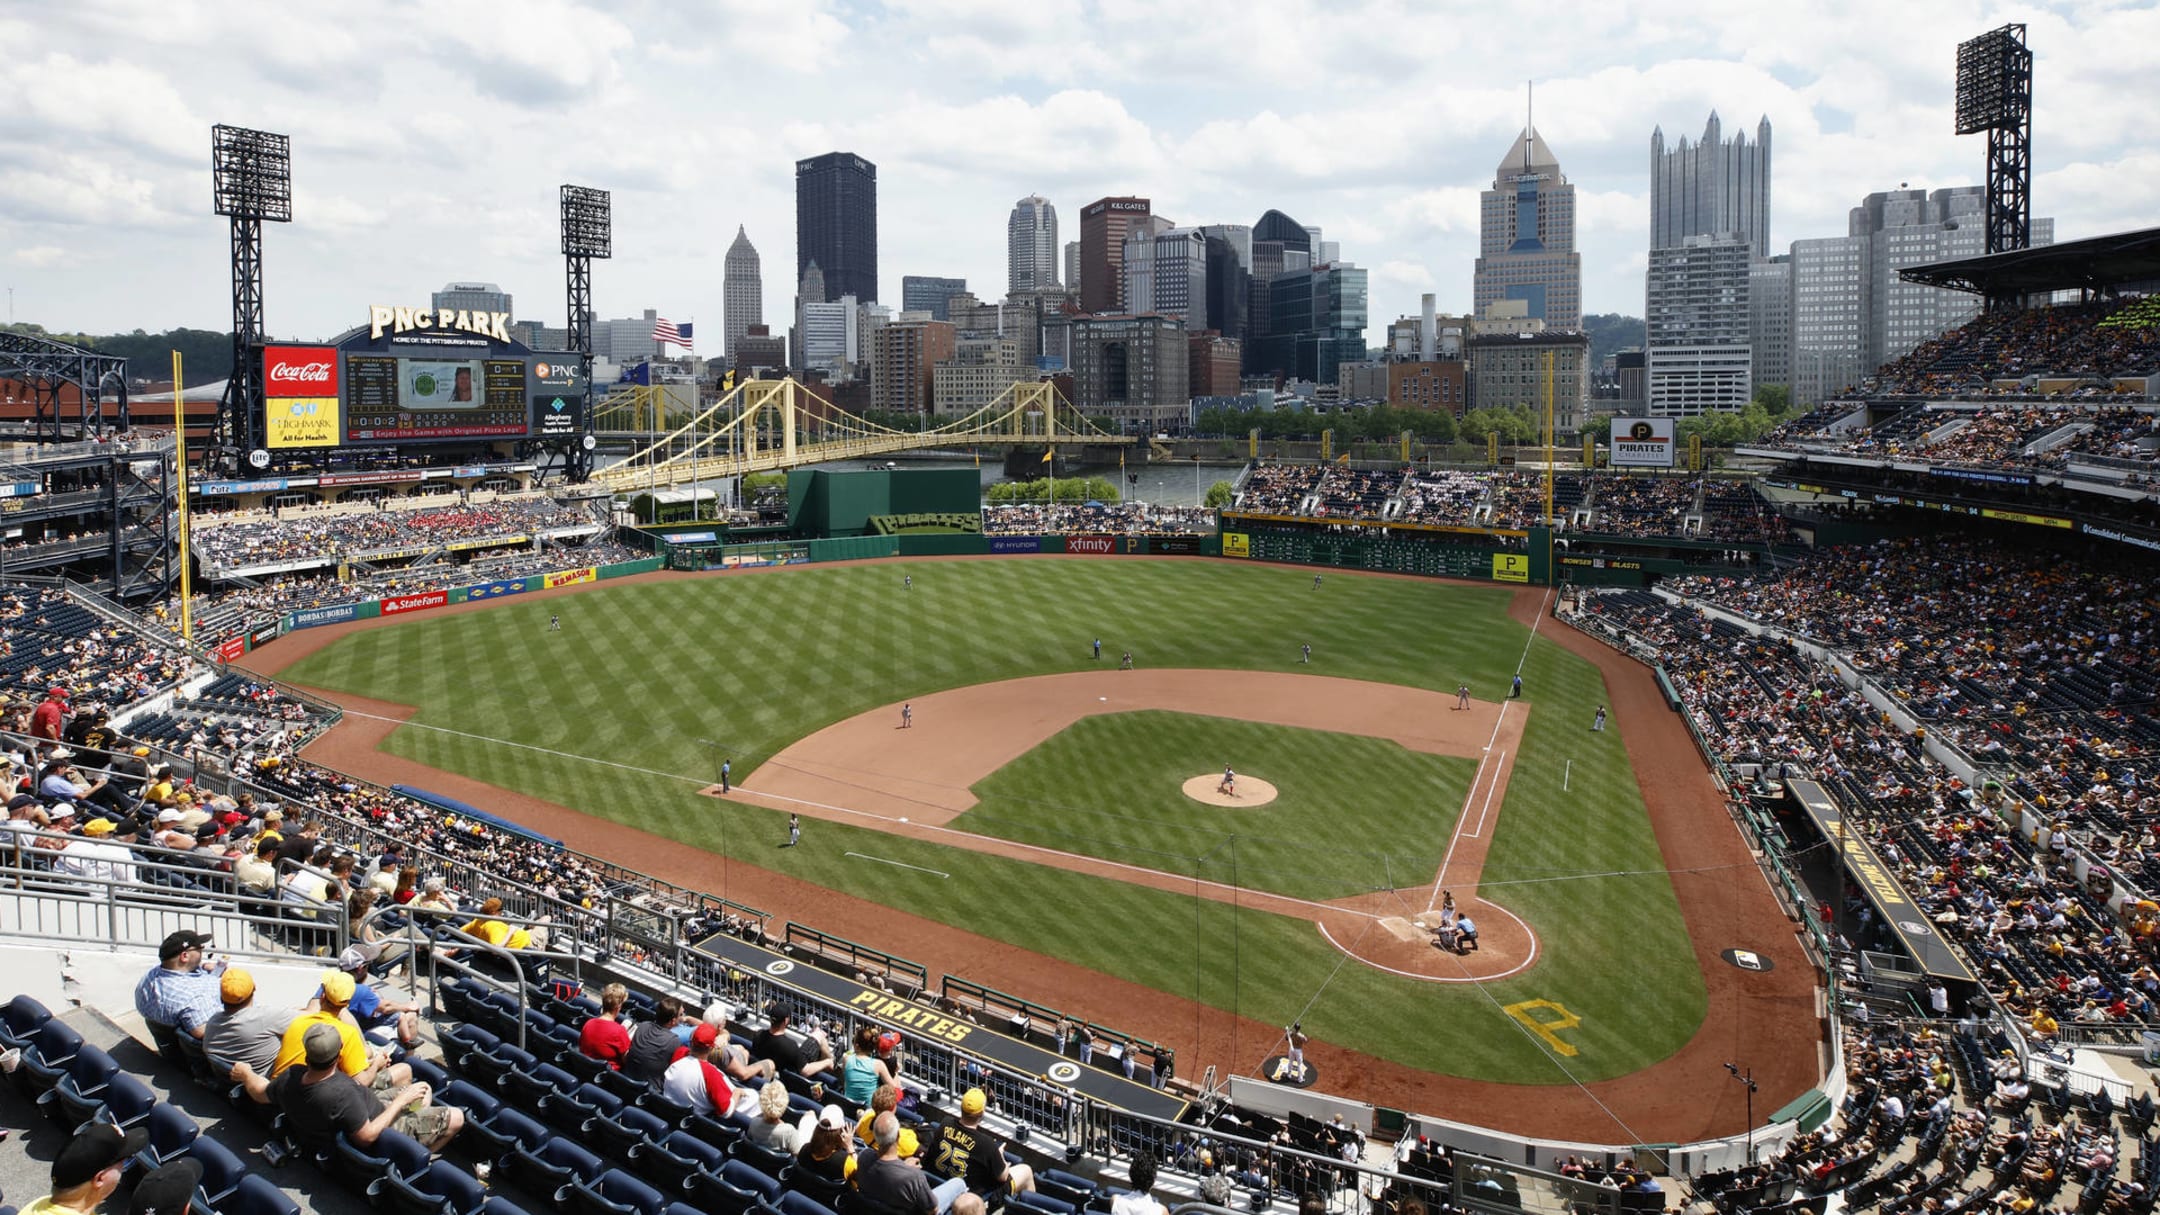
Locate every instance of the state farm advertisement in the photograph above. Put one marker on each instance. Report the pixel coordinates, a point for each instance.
(414, 603)
(300, 371)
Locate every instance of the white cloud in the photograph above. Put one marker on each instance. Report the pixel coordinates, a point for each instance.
(39, 255)
(428, 139)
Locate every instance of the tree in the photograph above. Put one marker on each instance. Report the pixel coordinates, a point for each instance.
(1513, 423)
(1776, 398)
(1218, 496)
(1069, 489)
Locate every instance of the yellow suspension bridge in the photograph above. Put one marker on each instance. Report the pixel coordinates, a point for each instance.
(765, 425)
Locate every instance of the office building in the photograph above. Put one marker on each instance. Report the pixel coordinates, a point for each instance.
(1436, 384)
(1104, 225)
(1228, 285)
(627, 340)
(1711, 188)
(1316, 322)
(1018, 320)
(1829, 315)
(1213, 364)
(1770, 320)
(470, 297)
(1513, 369)
(1697, 325)
(1907, 228)
(1131, 369)
(830, 338)
(904, 366)
(836, 223)
(1072, 266)
(921, 293)
(1363, 380)
(981, 370)
(1031, 245)
(760, 350)
(1166, 271)
(1526, 237)
(742, 291)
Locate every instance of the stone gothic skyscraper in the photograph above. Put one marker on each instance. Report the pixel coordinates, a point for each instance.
(742, 291)
(1526, 237)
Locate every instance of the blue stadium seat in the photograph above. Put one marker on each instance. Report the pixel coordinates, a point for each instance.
(171, 1133)
(440, 1189)
(746, 1176)
(795, 1202)
(361, 1167)
(256, 1196)
(222, 1172)
(46, 1056)
(529, 1089)
(670, 1163)
(19, 1021)
(620, 1135)
(615, 1192)
(715, 1196)
(548, 1169)
(770, 1161)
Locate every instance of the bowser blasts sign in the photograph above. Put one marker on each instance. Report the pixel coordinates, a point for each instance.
(300, 396)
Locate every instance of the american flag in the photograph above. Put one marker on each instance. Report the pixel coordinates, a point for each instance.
(665, 330)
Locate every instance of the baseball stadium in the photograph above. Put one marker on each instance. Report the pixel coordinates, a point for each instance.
(1595, 826)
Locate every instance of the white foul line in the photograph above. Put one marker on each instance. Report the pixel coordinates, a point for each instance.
(1434, 899)
(1485, 807)
(864, 856)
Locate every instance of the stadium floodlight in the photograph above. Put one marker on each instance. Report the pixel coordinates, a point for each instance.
(587, 225)
(1994, 80)
(252, 173)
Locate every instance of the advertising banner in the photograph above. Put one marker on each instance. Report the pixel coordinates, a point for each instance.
(1511, 567)
(266, 634)
(311, 617)
(1236, 544)
(495, 590)
(19, 489)
(362, 478)
(1176, 546)
(230, 649)
(300, 422)
(220, 488)
(299, 371)
(414, 603)
(570, 577)
(1090, 544)
(1642, 443)
(1016, 544)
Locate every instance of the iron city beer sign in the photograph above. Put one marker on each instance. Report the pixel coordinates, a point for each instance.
(383, 317)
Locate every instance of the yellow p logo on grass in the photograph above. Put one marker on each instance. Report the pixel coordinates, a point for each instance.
(1546, 1029)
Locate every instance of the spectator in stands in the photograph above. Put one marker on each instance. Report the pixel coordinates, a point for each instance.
(771, 1128)
(900, 1184)
(241, 1031)
(180, 993)
(322, 1099)
(381, 1018)
(167, 1189)
(861, 1071)
(603, 1037)
(693, 1080)
(60, 782)
(829, 1156)
(98, 856)
(255, 871)
(653, 1044)
(89, 1168)
(1139, 1199)
(774, 1043)
(886, 1100)
(967, 1150)
(372, 1068)
(741, 1069)
(49, 719)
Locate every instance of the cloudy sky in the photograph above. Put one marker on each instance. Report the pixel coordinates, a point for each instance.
(429, 138)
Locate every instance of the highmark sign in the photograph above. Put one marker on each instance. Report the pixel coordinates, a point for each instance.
(383, 317)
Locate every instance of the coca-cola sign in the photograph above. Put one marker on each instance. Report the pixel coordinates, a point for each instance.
(300, 371)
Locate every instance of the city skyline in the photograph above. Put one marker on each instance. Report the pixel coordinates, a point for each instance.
(963, 108)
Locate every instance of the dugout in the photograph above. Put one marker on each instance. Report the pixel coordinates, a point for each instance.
(825, 504)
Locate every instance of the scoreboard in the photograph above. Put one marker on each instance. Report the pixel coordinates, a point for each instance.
(405, 398)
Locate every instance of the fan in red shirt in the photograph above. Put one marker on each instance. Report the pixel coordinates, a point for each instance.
(604, 1037)
(50, 715)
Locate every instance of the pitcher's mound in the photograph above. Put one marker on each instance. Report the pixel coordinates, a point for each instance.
(1251, 791)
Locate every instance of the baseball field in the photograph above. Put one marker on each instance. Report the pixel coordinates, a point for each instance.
(1033, 796)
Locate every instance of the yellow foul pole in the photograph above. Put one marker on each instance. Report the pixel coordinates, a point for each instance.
(187, 585)
(1549, 525)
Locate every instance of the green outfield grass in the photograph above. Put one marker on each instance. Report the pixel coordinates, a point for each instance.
(1354, 814)
(609, 716)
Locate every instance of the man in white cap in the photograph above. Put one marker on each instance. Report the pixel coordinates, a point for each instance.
(381, 1018)
(170, 834)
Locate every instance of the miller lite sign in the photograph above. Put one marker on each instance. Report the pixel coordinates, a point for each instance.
(300, 371)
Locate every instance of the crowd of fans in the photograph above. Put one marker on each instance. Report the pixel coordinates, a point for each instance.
(328, 539)
(1619, 504)
(1116, 518)
(2086, 341)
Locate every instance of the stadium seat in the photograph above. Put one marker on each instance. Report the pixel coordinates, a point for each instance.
(500, 1134)
(770, 1161)
(623, 1086)
(1057, 1183)
(715, 1196)
(222, 1172)
(79, 1090)
(46, 1056)
(529, 1089)
(586, 1068)
(795, 1202)
(670, 1163)
(615, 1192)
(1037, 1201)
(440, 1189)
(717, 1132)
(621, 1134)
(183, 1051)
(819, 1188)
(548, 1169)
(665, 1108)
(487, 1068)
(19, 1021)
(171, 1133)
(458, 1041)
(256, 1196)
(746, 1176)
(361, 1167)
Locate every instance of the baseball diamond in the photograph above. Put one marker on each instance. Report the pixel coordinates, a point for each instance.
(1602, 871)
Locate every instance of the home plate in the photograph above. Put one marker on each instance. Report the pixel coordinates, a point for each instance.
(1102, 698)
(1403, 929)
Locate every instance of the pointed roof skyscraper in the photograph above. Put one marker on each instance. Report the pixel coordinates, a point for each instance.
(742, 290)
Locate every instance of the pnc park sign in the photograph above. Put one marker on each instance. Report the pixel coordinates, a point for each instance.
(487, 324)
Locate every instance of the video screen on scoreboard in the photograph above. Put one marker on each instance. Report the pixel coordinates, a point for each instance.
(410, 398)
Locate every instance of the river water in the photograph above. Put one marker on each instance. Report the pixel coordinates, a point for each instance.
(1181, 483)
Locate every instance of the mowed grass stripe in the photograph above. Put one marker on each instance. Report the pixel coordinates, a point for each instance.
(641, 673)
